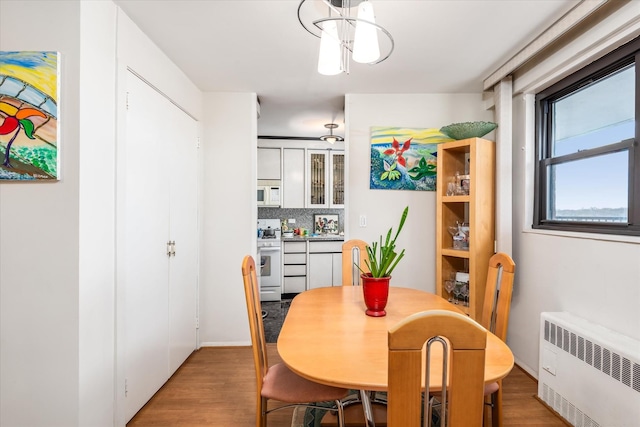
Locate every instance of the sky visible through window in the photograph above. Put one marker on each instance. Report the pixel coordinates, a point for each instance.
(600, 114)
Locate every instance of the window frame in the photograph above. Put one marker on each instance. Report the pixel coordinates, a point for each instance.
(619, 58)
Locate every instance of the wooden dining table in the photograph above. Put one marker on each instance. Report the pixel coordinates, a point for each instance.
(327, 337)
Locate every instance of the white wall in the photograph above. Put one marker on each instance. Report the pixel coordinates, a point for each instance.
(96, 302)
(383, 208)
(57, 240)
(593, 276)
(39, 312)
(590, 278)
(229, 215)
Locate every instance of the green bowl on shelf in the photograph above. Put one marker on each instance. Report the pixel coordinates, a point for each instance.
(468, 129)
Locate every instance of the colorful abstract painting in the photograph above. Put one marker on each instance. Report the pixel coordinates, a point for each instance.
(29, 115)
(404, 158)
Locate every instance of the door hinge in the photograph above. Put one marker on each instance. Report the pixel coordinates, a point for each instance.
(126, 388)
(197, 323)
(198, 143)
(127, 101)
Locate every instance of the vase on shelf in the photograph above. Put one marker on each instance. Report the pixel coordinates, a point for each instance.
(376, 293)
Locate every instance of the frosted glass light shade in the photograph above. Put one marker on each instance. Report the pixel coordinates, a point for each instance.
(365, 43)
(329, 60)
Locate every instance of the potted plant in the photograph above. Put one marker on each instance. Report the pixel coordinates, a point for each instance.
(382, 260)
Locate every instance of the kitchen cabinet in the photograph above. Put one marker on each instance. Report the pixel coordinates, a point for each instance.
(325, 264)
(474, 206)
(269, 165)
(293, 179)
(157, 241)
(295, 267)
(325, 179)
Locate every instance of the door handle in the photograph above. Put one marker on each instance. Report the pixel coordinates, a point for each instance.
(171, 248)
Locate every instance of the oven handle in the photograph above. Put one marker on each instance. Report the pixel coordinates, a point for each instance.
(269, 249)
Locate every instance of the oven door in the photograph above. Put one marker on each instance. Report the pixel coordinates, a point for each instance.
(270, 274)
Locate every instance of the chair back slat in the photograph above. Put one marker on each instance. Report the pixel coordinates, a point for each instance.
(256, 326)
(497, 297)
(467, 341)
(354, 252)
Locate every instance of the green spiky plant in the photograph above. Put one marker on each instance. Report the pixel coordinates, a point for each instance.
(383, 263)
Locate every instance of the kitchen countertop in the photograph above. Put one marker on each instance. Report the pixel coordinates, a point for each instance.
(323, 237)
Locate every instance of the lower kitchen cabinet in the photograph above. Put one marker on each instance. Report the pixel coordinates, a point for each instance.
(295, 267)
(325, 264)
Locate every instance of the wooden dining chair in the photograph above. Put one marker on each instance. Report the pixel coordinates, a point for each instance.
(462, 394)
(495, 318)
(354, 252)
(278, 382)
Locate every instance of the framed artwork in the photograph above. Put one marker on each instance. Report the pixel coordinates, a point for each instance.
(325, 224)
(404, 158)
(29, 115)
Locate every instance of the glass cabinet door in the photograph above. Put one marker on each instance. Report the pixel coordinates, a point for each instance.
(317, 178)
(337, 179)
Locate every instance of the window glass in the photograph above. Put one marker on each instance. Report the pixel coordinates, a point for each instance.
(598, 114)
(591, 189)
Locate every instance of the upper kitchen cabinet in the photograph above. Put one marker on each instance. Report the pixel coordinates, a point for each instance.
(293, 178)
(325, 179)
(269, 164)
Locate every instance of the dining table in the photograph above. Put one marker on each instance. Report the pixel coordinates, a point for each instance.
(326, 337)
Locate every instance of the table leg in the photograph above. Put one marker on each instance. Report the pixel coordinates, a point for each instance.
(366, 408)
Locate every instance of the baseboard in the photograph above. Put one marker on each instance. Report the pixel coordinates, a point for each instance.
(226, 344)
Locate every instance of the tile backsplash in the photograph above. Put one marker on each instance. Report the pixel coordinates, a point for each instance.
(303, 217)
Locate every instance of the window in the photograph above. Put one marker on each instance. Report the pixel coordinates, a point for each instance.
(588, 166)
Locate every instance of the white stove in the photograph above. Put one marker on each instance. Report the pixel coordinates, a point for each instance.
(270, 257)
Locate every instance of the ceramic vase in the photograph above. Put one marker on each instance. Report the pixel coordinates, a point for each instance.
(376, 292)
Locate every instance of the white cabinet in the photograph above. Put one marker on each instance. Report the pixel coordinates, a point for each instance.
(295, 267)
(269, 164)
(156, 279)
(293, 180)
(325, 179)
(325, 264)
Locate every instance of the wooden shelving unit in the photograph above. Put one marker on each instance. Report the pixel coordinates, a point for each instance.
(474, 157)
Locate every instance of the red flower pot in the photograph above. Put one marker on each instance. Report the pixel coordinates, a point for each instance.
(376, 292)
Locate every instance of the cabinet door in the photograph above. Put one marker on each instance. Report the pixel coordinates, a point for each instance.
(320, 270)
(336, 180)
(159, 303)
(337, 268)
(317, 178)
(269, 163)
(293, 178)
(183, 220)
(144, 228)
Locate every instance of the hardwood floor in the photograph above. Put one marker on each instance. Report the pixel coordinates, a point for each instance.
(216, 387)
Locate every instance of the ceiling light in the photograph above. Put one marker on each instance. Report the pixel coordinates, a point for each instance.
(331, 138)
(341, 34)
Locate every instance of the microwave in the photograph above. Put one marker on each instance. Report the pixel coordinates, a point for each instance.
(269, 193)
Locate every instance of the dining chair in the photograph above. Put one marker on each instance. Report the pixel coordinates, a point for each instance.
(354, 252)
(464, 342)
(495, 318)
(278, 382)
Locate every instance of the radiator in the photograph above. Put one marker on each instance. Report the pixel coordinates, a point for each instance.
(590, 375)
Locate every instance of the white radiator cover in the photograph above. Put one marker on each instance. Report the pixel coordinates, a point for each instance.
(588, 374)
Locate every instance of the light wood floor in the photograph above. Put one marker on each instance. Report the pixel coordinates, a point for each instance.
(216, 387)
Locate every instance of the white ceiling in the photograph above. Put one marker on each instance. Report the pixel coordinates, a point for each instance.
(441, 46)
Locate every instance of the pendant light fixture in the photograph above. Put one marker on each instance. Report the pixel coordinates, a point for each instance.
(343, 37)
(331, 138)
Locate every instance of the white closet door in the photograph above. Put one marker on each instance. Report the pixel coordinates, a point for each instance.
(146, 222)
(182, 167)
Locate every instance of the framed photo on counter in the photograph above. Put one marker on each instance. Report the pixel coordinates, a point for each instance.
(325, 224)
